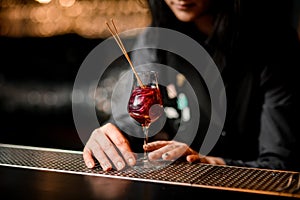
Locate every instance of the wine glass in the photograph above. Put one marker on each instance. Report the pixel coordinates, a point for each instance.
(145, 106)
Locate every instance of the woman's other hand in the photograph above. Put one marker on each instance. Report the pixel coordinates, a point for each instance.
(172, 150)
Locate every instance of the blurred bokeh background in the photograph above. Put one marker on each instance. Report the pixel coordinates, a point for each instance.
(42, 45)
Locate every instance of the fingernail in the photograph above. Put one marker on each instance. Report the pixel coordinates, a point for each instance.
(190, 160)
(151, 155)
(106, 167)
(89, 164)
(130, 160)
(165, 155)
(119, 165)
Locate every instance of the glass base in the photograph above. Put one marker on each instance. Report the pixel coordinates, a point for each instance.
(144, 163)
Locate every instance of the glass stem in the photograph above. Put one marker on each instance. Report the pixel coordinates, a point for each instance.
(145, 130)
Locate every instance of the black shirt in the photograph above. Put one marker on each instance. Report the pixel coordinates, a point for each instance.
(261, 92)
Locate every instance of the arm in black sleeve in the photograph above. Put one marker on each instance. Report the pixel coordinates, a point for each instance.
(278, 138)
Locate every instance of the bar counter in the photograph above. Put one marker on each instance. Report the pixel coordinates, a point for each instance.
(29, 172)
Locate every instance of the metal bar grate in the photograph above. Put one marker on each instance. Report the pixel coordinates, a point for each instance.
(262, 181)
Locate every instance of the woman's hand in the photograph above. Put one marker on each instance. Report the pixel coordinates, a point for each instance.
(109, 147)
(172, 150)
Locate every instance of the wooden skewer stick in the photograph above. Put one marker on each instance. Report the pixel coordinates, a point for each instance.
(120, 43)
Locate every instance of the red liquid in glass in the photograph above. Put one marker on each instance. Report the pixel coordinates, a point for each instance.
(145, 105)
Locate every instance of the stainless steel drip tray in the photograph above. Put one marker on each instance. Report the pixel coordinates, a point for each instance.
(251, 180)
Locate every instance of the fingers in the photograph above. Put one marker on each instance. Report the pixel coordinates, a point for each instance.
(93, 148)
(205, 159)
(88, 158)
(214, 160)
(174, 152)
(193, 158)
(109, 147)
(121, 143)
(155, 145)
(169, 150)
